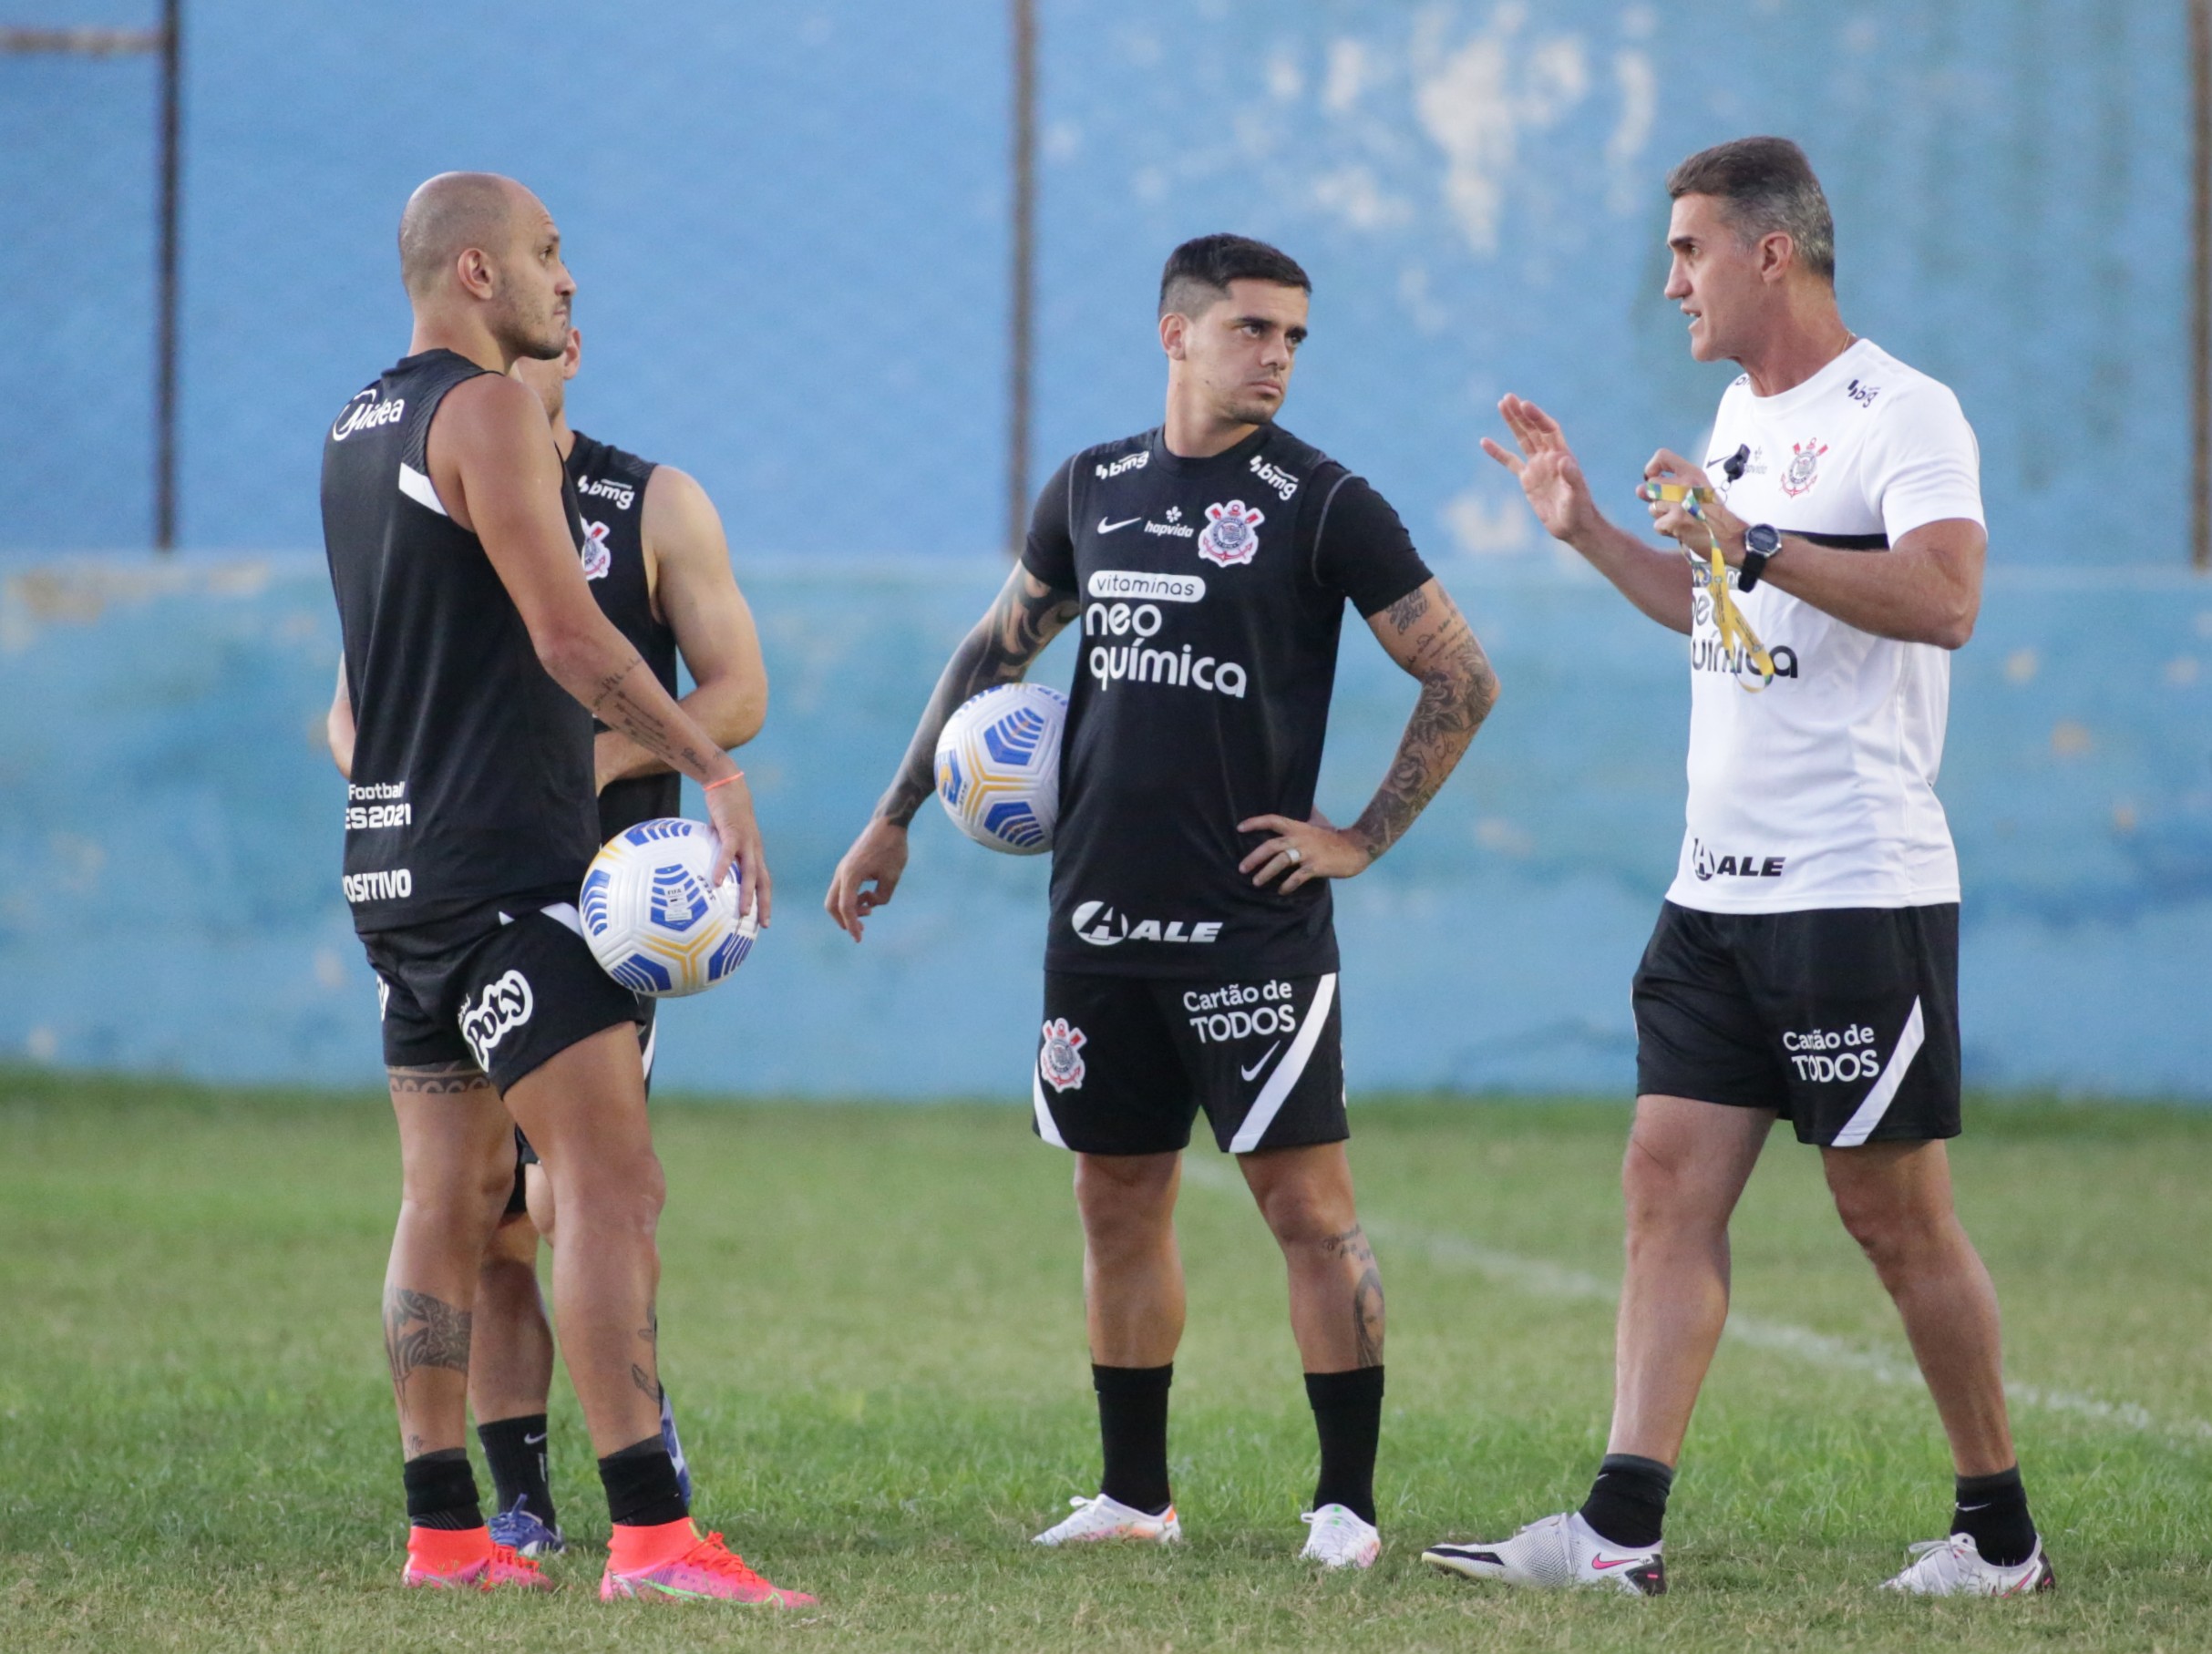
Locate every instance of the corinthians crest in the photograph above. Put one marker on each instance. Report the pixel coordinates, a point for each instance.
(597, 559)
(1231, 534)
(1798, 475)
(1061, 1061)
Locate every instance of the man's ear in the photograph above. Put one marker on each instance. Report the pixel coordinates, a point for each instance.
(479, 277)
(1777, 255)
(1174, 331)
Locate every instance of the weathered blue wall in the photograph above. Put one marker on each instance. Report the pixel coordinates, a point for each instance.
(168, 840)
(788, 224)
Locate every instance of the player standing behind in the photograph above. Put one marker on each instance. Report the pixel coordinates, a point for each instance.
(475, 660)
(656, 558)
(1192, 959)
(1805, 963)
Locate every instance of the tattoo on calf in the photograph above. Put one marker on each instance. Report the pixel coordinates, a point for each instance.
(1366, 1294)
(644, 1382)
(1367, 1319)
(420, 1330)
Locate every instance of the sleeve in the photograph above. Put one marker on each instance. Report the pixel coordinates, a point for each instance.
(1049, 552)
(1926, 463)
(1362, 551)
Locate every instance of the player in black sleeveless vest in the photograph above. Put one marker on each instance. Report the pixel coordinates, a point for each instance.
(474, 660)
(1191, 961)
(656, 558)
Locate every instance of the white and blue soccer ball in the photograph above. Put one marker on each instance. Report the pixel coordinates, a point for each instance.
(998, 767)
(652, 922)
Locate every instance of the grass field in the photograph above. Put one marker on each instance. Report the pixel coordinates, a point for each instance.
(872, 1330)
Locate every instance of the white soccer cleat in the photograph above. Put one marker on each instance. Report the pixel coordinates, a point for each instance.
(1103, 1518)
(1559, 1552)
(1954, 1567)
(1339, 1539)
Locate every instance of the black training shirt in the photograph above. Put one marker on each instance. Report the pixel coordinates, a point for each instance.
(472, 767)
(1213, 594)
(609, 486)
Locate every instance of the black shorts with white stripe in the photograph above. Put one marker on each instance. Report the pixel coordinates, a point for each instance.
(1125, 1063)
(1844, 1020)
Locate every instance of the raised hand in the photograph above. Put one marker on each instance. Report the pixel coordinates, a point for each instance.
(1547, 469)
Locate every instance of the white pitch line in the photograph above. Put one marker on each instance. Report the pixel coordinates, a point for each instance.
(1560, 1283)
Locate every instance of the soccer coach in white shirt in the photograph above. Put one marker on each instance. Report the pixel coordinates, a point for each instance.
(1804, 965)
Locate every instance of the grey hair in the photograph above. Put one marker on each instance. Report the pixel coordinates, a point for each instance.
(1765, 185)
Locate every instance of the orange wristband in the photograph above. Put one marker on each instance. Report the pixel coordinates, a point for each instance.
(735, 775)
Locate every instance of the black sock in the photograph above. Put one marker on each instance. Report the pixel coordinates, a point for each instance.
(515, 1449)
(1994, 1511)
(1627, 1502)
(1133, 1431)
(641, 1486)
(1348, 1416)
(441, 1490)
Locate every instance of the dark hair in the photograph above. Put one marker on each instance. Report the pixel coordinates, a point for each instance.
(1199, 271)
(1765, 185)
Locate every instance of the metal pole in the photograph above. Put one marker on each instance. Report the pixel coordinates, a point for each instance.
(1022, 310)
(165, 365)
(2200, 285)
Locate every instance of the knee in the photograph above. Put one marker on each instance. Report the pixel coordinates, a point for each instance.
(1664, 1202)
(1126, 1202)
(1308, 1220)
(628, 1190)
(1891, 1231)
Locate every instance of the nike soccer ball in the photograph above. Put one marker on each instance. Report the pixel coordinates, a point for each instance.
(652, 924)
(998, 766)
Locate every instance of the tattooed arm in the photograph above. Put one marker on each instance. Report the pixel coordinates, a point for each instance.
(1027, 615)
(1425, 633)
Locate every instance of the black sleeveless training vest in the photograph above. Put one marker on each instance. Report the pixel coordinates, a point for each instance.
(472, 768)
(610, 492)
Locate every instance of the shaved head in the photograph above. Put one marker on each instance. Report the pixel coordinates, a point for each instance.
(478, 250)
(450, 214)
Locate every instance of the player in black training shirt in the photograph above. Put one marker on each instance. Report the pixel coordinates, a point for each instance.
(1191, 961)
(475, 660)
(656, 558)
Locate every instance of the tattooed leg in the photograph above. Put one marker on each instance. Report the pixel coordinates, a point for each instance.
(456, 1161)
(1336, 1288)
(584, 1111)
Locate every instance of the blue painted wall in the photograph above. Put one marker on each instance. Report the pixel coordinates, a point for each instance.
(168, 840)
(787, 222)
(788, 225)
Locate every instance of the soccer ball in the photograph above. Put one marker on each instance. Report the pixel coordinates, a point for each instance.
(651, 922)
(998, 767)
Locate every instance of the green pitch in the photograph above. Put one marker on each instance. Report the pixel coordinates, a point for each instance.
(871, 1328)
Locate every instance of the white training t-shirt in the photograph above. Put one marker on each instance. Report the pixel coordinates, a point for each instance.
(1820, 791)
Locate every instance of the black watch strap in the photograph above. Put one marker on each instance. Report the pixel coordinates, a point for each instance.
(1760, 544)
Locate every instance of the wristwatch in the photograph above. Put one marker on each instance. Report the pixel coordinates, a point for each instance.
(1761, 541)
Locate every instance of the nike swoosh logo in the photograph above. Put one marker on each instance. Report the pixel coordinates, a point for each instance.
(1256, 1067)
(1606, 1562)
(533, 1441)
(1108, 528)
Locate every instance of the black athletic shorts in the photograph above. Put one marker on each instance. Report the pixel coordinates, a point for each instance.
(1125, 1063)
(518, 1200)
(1844, 1020)
(506, 987)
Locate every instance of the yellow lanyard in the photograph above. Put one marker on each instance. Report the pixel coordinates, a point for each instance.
(1736, 631)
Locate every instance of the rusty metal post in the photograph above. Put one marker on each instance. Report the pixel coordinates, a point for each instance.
(1021, 305)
